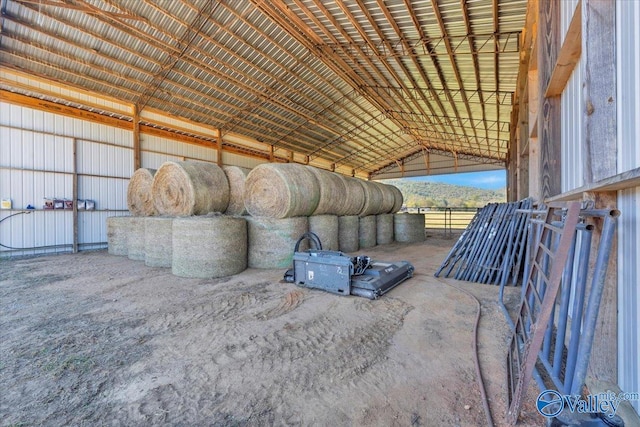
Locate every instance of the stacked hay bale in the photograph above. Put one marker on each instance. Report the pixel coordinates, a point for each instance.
(118, 229)
(372, 199)
(135, 239)
(326, 228)
(409, 228)
(333, 192)
(367, 231)
(281, 190)
(190, 188)
(158, 241)
(283, 200)
(348, 233)
(209, 246)
(271, 240)
(139, 197)
(355, 198)
(236, 177)
(384, 229)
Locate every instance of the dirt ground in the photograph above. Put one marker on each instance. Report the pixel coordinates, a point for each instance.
(94, 339)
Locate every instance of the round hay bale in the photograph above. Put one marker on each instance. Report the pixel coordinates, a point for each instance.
(236, 177)
(326, 227)
(139, 198)
(272, 240)
(372, 199)
(399, 200)
(367, 231)
(281, 190)
(348, 233)
(354, 200)
(388, 197)
(117, 234)
(332, 192)
(135, 240)
(209, 246)
(190, 188)
(158, 241)
(384, 229)
(409, 228)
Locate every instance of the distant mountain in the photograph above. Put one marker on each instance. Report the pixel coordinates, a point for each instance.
(435, 194)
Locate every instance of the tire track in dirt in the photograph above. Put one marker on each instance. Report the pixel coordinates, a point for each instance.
(288, 303)
(314, 355)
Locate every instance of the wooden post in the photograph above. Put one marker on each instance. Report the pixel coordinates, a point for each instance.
(219, 147)
(598, 64)
(549, 111)
(137, 160)
(271, 154)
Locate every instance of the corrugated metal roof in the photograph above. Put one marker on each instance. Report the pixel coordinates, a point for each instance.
(362, 83)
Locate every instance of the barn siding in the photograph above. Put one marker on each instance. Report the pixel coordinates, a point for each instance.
(628, 77)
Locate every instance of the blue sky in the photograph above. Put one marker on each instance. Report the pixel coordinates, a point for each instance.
(488, 180)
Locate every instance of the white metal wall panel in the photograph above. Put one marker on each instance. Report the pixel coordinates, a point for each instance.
(572, 160)
(231, 159)
(572, 166)
(34, 166)
(37, 161)
(628, 78)
(30, 119)
(104, 159)
(156, 144)
(567, 8)
(628, 124)
(155, 160)
(629, 292)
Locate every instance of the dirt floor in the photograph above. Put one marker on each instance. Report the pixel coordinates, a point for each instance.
(95, 339)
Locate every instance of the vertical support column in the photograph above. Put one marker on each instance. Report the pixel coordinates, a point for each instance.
(271, 154)
(75, 196)
(599, 123)
(219, 147)
(549, 112)
(137, 162)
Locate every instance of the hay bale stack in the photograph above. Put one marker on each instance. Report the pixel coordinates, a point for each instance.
(372, 199)
(281, 190)
(409, 228)
(348, 233)
(354, 199)
(158, 241)
(236, 177)
(388, 198)
(272, 240)
(332, 192)
(384, 229)
(139, 197)
(326, 227)
(209, 246)
(117, 235)
(367, 231)
(399, 199)
(190, 188)
(135, 240)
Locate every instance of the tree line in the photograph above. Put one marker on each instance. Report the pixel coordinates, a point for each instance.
(435, 194)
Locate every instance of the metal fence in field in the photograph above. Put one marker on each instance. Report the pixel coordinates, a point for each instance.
(447, 219)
